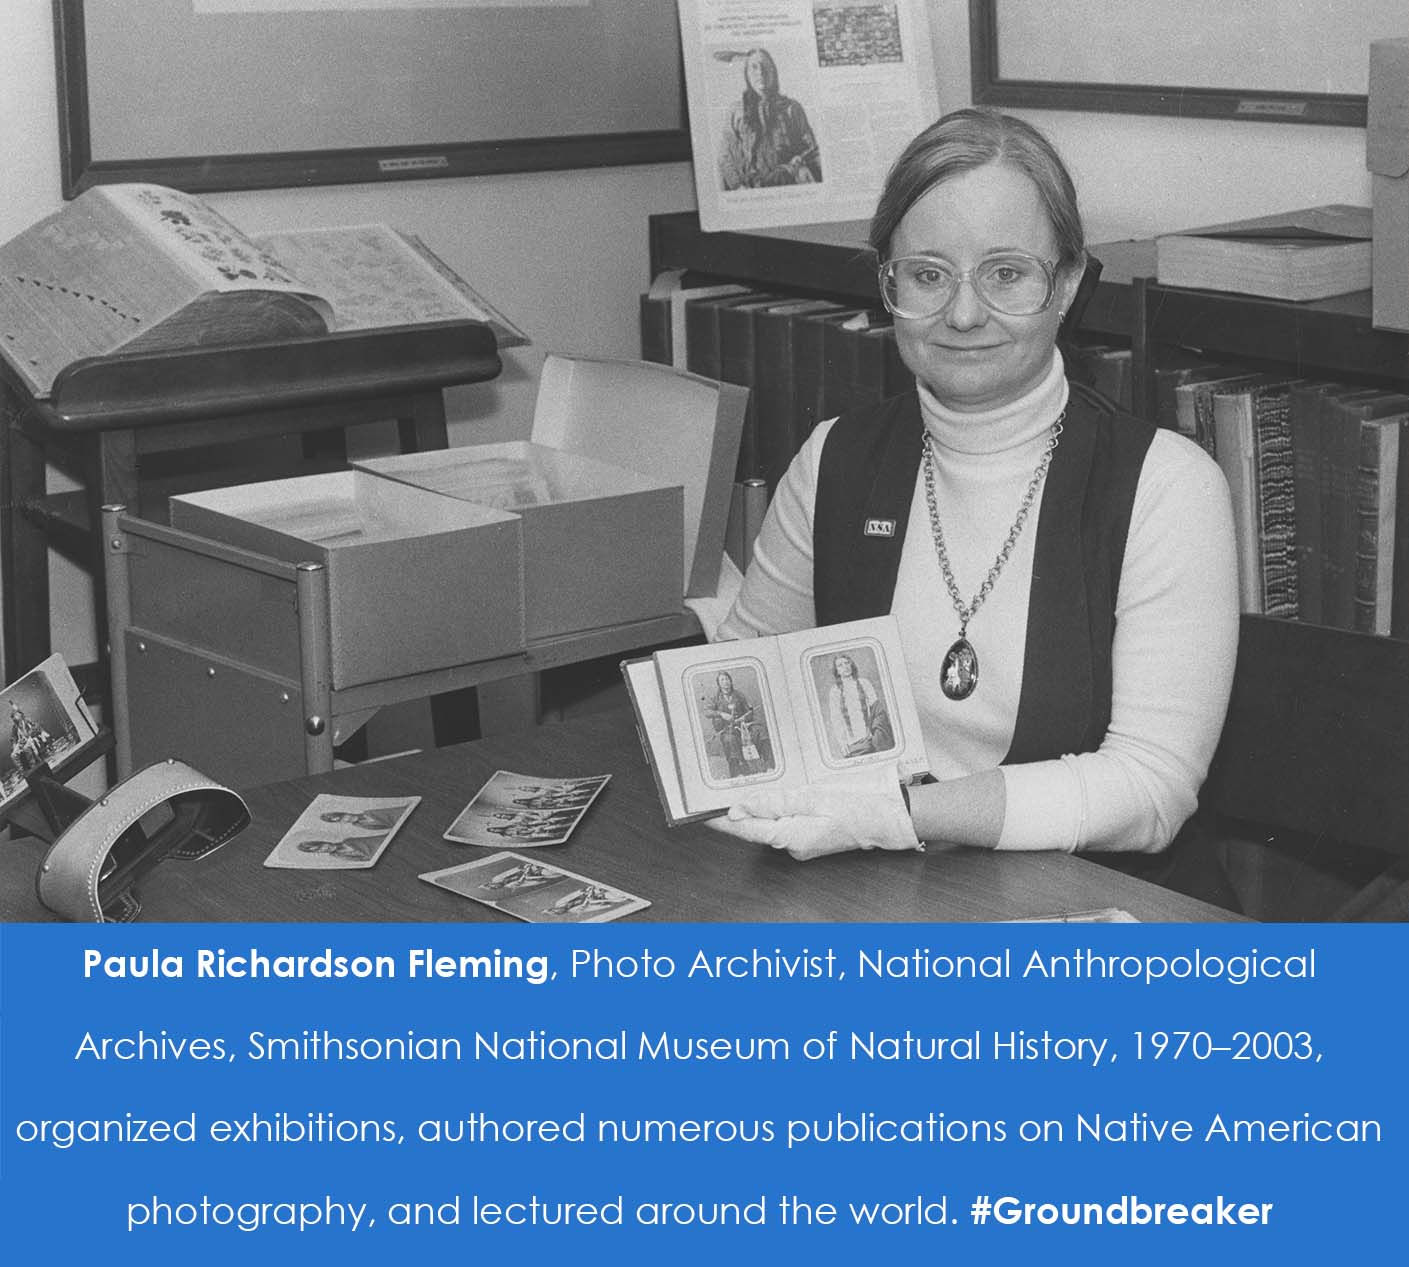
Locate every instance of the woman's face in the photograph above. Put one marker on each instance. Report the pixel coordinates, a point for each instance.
(844, 667)
(759, 72)
(725, 683)
(969, 356)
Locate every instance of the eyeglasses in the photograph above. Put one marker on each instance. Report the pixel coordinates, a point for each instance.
(1015, 283)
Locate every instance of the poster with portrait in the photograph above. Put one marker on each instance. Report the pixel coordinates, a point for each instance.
(798, 107)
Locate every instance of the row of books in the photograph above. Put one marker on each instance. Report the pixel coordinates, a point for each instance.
(1320, 493)
(804, 360)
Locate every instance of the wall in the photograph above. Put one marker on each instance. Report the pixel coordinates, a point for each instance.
(1138, 175)
(564, 253)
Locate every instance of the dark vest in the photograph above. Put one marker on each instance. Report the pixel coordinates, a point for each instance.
(868, 471)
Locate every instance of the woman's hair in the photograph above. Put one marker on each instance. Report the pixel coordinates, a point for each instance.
(968, 139)
(836, 661)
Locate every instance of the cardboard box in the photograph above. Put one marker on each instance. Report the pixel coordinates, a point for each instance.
(1387, 156)
(676, 427)
(601, 545)
(416, 581)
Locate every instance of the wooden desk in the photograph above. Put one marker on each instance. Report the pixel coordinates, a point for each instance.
(689, 873)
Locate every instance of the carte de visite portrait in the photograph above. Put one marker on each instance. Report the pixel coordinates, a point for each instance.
(733, 713)
(40, 726)
(851, 699)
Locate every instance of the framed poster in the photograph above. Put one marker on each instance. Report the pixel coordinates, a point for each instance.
(249, 94)
(1271, 61)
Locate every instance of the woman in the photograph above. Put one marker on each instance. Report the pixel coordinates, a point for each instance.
(768, 140)
(1064, 578)
(858, 717)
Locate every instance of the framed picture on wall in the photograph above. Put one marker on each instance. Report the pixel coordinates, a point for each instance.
(1271, 61)
(249, 94)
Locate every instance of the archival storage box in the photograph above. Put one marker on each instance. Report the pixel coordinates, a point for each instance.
(678, 427)
(416, 581)
(1387, 156)
(601, 545)
(624, 485)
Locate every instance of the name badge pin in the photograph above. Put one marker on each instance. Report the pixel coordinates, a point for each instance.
(879, 528)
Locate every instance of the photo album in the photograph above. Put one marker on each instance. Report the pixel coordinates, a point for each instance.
(720, 721)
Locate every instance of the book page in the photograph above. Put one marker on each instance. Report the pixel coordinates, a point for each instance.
(374, 277)
(798, 107)
(854, 707)
(138, 267)
(731, 722)
(213, 252)
(84, 282)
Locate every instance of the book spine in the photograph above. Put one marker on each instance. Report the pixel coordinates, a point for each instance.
(1204, 432)
(809, 329)
(1399, 598)
(773, 392)
(1306, 498)
(839, 352)
(1374, 538)
(1340, 469)
(702, 337)
(655, 329)
(737, 364)
(1232, 421)
(1275, 501)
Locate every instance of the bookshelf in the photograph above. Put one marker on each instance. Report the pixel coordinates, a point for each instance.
(1317, 739)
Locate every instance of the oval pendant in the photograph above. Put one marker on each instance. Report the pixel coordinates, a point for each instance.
(959, 673)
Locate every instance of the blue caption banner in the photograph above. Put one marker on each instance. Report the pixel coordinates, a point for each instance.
(222, 1093)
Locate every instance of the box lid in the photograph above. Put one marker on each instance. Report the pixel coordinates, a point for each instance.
(676, 427)
(1387, 124)
(313, 518)
(512, 475)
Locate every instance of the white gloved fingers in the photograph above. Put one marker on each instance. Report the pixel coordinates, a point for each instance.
(757, 831)
(804, 837)
(823, 818)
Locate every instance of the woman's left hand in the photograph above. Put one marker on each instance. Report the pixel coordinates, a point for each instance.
(823, 818)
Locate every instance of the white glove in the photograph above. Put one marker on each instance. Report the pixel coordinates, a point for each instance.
(822, 818)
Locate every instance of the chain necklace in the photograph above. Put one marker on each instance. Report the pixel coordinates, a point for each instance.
(958, 676)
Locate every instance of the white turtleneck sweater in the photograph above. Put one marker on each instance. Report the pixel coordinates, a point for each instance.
(1176, 622)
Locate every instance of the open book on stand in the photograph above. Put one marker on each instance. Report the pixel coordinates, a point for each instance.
(142, 268)
(830, 704)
